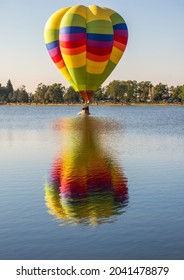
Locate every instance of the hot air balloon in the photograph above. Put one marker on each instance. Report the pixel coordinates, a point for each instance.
(86, 43)
(86, 183)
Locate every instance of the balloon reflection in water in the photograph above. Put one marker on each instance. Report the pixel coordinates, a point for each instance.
(86, 184)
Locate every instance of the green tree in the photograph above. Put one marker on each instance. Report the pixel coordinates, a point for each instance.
(100, 94)
(143, 93)
(181, 94)
(15, 96)
(10, 90)
(131, 91)
(174, 94)
(115, 90)
(3, 94)
(9, 87)
(39, 96)
(20, 95)
(54, 94)
(30, 97)
(161, 92)
(71, 96)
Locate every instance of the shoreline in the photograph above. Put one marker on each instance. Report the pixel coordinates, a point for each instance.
(99, 104)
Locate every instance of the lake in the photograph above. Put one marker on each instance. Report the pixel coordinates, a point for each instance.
(107, 186)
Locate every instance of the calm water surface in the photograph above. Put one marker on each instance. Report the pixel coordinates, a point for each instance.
(109, 186)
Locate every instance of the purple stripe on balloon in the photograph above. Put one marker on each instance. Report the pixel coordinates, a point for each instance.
(54, 51)
(72, 37)
(99, 44)
(121, 32)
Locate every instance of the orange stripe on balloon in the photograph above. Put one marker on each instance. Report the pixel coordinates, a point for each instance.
(119, 46)
(97, 58)
(73, 51)
(60, 64)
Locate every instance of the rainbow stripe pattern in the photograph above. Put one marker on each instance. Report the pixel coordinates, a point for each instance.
(86, 43)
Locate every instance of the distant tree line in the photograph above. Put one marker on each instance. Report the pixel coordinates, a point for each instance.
(116, 92)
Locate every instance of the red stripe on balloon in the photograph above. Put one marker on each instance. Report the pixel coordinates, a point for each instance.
(121, 39)
(73, 51)
(72, 44)
(57, 58)
(97, 58)
(121, 32)
(99, 51)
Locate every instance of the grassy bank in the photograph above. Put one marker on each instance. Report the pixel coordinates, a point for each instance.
(94, 104)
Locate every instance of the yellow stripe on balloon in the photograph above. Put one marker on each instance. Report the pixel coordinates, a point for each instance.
(109, 11)
(116, 55)
(81, 87)
(79, 10)
(94, 67)
(96, 13)
(65, 73)
(75, 61)
(50, 35)
(55, 20)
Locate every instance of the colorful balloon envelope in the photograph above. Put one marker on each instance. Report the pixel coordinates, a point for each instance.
(86, 43)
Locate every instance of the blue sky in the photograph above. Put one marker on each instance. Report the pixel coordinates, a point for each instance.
(155, 51)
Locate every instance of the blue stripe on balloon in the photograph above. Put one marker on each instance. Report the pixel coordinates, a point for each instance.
(118, 26)
(100, 37)
(52, 45)
(72, 29)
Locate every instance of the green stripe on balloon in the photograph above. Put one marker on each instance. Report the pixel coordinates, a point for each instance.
(52, 34)
(73, 20)
(116, 18)
(78, 75)
(109, 67)
(100, 27)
